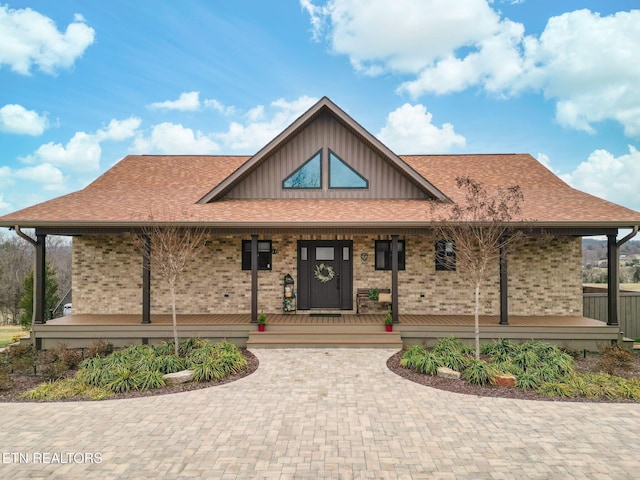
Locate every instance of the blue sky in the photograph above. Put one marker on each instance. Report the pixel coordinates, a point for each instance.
(83, 84)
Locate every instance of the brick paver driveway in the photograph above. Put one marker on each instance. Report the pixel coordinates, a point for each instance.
(320, 414)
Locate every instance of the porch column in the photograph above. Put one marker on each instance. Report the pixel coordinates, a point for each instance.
(146, 280)
(613, 286)
(39, 287)
(504, 285)
(394, 278)
(254, 278)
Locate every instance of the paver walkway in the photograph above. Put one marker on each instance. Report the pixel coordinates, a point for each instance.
(320, 414)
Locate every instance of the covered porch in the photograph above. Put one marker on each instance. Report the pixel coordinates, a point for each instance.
(324, 330)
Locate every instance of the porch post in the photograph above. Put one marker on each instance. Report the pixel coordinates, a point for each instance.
(613, 287)
(39, 290)
(394, 278)
(254, 278)
(146, 280)
(504, 286)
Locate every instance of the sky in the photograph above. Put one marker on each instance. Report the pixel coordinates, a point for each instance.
(83, 84)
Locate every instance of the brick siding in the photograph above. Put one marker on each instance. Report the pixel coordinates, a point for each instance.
(544, 277)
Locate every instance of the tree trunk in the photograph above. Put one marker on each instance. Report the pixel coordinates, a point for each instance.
(477, 321)
(175, 322)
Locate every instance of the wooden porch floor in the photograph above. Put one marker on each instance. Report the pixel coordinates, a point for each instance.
(319, 319)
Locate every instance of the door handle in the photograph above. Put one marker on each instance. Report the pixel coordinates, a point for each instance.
(338, 281)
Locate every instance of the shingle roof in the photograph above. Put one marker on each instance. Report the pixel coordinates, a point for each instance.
(169, 187)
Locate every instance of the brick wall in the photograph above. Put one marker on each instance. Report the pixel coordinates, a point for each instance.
(544, 278)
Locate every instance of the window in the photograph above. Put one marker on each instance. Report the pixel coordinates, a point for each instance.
(264, 255)
(325, 253)
(341, 175)
(308, 175)
(445, 255)
(383, 255)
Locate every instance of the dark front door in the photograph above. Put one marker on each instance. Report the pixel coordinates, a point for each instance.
(325, 274)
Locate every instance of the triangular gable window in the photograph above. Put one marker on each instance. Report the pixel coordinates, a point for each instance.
(341, 175)
(308, 175)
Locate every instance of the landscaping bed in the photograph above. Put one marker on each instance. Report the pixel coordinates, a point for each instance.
(591, 364)
(63, 366)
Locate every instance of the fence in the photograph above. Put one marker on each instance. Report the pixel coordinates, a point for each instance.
(595, 305)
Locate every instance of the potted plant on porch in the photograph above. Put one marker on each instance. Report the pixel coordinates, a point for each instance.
(262, 321)
(388, 322)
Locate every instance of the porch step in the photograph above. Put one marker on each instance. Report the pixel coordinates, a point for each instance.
(324, 338)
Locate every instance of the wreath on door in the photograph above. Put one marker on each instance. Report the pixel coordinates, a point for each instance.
(324, 273)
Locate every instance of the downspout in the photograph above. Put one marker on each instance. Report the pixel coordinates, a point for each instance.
(624, 240)
(34, 243)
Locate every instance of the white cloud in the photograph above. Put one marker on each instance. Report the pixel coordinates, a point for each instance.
(170, 138)
(188, 101)
(403, 35)
(613, 178)
(29, 38)
(119, 130)
(585, 62)
(4, 206)
(17, 119)
(260, 130)
(546, 161)
(83, 151)
(49, 176)
(216, 105)
(409, 129)
(589, 64)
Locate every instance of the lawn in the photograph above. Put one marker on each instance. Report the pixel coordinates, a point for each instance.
(7, 333)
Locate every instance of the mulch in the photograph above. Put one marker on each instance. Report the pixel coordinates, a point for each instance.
(588, 364)
(24, 383)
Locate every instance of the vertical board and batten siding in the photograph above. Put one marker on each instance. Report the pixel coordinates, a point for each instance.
(325, 133)
(595, 305)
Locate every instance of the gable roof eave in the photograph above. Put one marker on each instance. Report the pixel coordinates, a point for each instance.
(324, 104)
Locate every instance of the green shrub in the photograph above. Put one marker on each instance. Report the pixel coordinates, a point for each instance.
(451, 344)
(95, 371)
(526, 358)
(412, 356)
(210, 369)
(479, 372)
(200, 355)
(170, 363)
(554, 389)
(64, 389)
(629, 389)
(500, 348)
(123, 380)
(527, 381)
(429, 364)
(583, 386)
(455, 360)
(148, 379)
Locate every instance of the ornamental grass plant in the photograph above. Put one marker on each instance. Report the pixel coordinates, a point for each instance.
(139, 368)
(538, 366)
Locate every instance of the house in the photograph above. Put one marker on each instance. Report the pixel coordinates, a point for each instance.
(330, 208)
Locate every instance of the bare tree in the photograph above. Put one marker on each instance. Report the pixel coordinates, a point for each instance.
(476, 232)
(172, 248)
(15, 264)
(59, 255)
